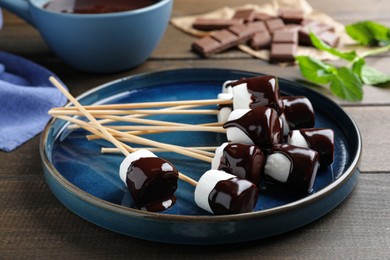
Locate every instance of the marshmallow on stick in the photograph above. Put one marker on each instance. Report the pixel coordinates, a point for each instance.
(298, 113)
(242, 160)
(294, 167)
(260, 126)
(318, 139)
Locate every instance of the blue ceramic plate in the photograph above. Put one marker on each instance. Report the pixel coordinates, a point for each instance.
(87, 182)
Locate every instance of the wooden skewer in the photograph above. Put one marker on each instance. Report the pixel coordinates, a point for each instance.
(189, 128)
(98, 113)
(118, 144)
(107, 121)
(204, 102)
(200, 150)
(153, 122)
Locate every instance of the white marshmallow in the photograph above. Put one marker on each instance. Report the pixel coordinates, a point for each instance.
(217, 157)
(234, 134)
(141, 153)
(278, 166)
(241, 97)
(297, 139)
(225, 88)
(224, 112)
(206, 184)
(286, 128)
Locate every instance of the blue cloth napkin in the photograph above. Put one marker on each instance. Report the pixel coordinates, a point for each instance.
(26, 95)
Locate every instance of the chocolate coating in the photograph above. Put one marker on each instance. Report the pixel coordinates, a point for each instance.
(261, 125)
(96, 6)
(233, 196)
(244, 161)
(152, 182)
(304, 166)
(264, 91)
(298, 111)
(322, 141)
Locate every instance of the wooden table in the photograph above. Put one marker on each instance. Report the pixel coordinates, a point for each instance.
(33, 224)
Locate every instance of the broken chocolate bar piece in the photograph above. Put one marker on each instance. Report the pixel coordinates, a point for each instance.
(330, 38)
(243, 32)
(263, 17)
(226, 38)
(248, 15)
(260, 40)
(289, 15)
(315, 27)
(274, 25)
(206, 46)
(213, 24)
(257, 26)
(284, 36)
(282, 52)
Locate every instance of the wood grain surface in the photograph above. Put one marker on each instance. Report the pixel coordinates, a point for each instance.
(35, 225)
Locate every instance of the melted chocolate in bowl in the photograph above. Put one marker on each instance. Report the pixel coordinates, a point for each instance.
(152, 182)
(96, 6)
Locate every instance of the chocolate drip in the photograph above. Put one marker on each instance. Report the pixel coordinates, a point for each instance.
(298, 111)
(152, 182)
(233, 196)
(261, 125)
(304, 166)
(322, 141)
(244, 161)
(264, 91)
(96, 6)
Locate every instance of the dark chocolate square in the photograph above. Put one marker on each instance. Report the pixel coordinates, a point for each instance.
(248, 15)
(260, 40)
(315, 27)
(282, 52)
(206, 46)
(274, 25)
(289, 15)
(257, 26)
(243, 32)
(213, 24)
(225, 37)
(284, 36)
(263, 17)
(330, 38)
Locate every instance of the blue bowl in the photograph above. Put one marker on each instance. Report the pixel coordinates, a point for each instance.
(99, 43)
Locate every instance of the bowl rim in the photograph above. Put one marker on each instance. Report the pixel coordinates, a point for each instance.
(159, 3)
(131, 212)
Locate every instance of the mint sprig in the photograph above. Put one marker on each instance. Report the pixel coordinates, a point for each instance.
(346, 82)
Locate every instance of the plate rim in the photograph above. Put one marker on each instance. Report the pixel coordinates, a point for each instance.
(131, 212)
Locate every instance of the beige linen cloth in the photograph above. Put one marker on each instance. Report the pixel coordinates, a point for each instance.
(345, 43)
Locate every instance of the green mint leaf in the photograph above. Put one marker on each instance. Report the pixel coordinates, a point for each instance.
(357, 66)
(369, 75)
(372, 76)
(315, 70)
(369, 33)
(321, 45)
(347, 85)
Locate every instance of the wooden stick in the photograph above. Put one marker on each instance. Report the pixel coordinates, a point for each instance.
(204, 102)
(58, 85)
(106, 121)
(200, 150)
(189, 128)
(148, 121)
(84, 112)
(98, 113)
